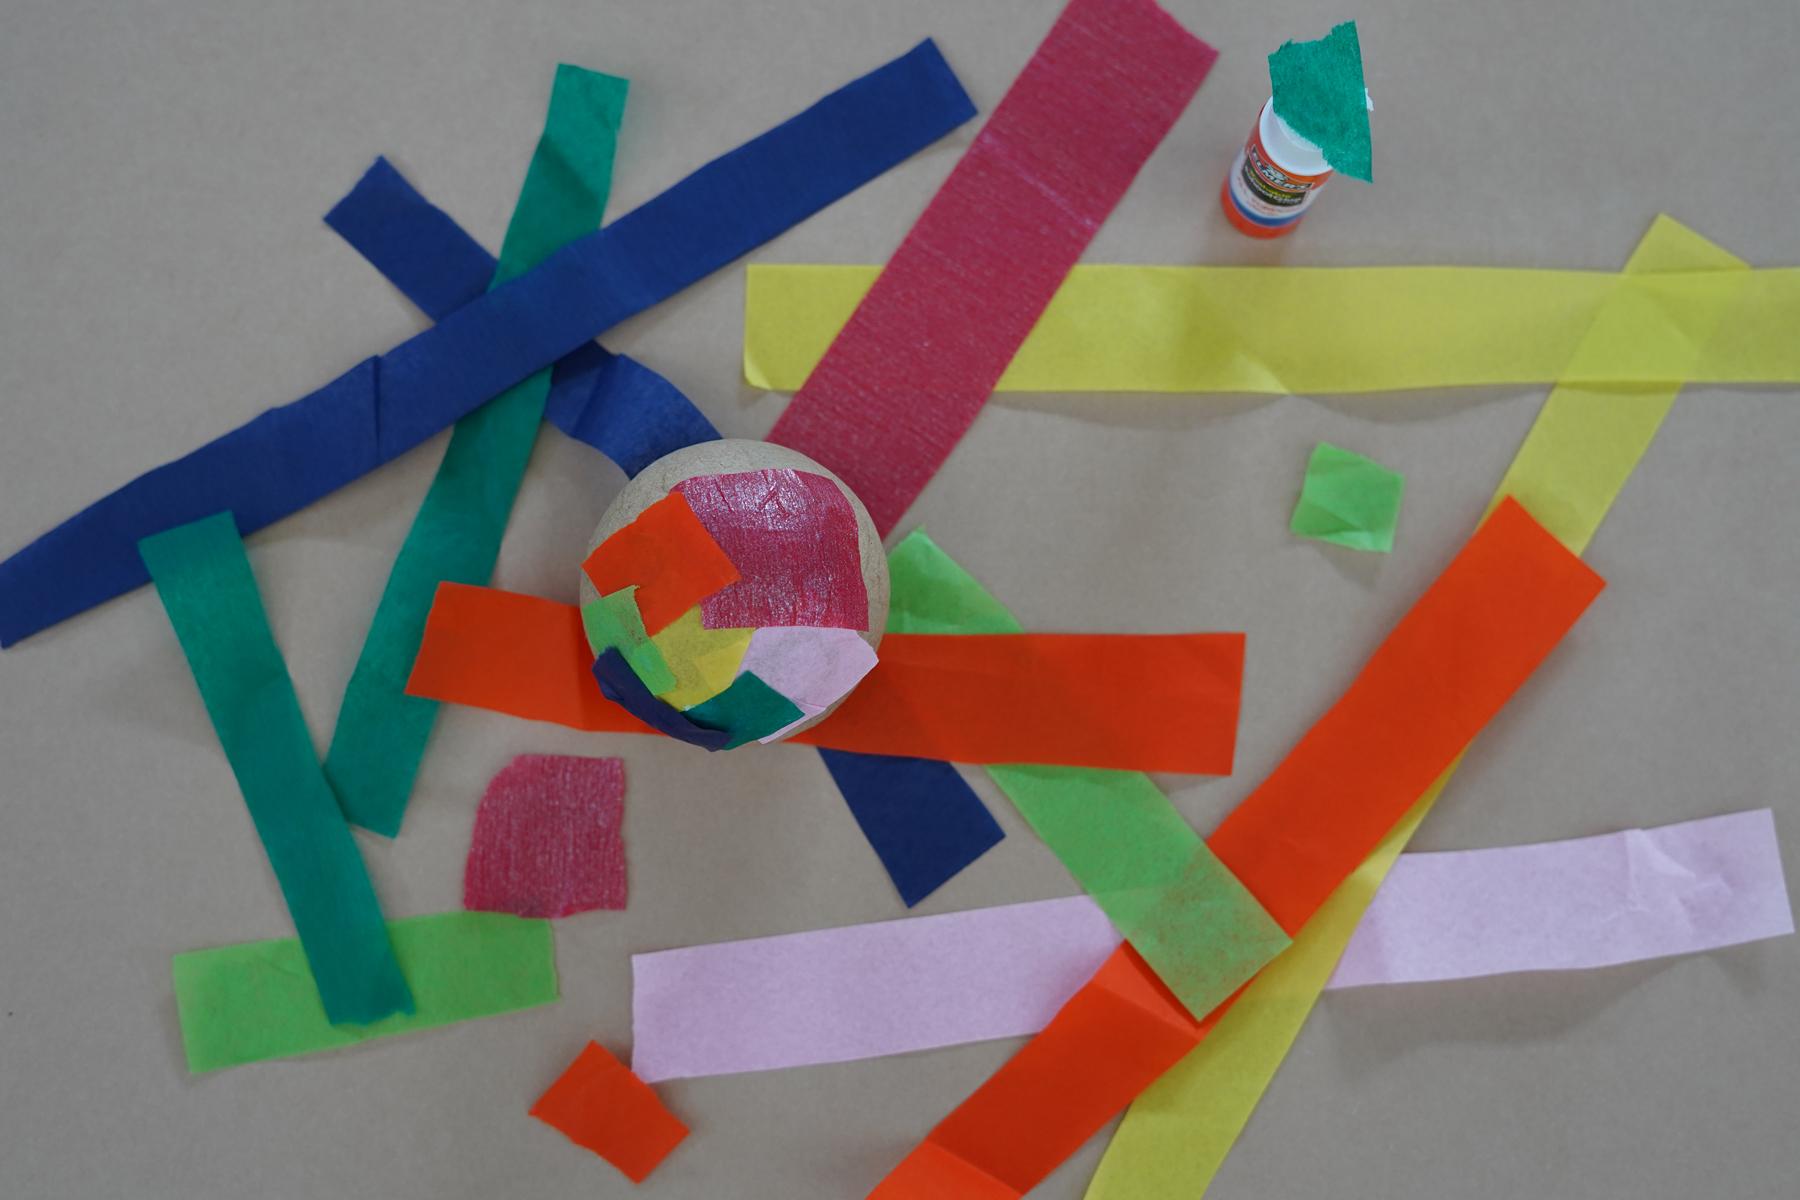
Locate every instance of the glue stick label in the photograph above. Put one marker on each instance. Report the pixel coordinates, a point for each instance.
(1261, 198)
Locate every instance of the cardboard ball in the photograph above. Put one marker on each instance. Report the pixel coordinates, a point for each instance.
(733, 456)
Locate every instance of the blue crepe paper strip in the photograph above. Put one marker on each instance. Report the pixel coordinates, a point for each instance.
(923, 819)
(620, 684)
(290, 456)
(612, 402)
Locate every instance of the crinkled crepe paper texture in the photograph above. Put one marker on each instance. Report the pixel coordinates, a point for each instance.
(290, 456)
(1116, 328)
(1348, 500)
(1477, 632)
(916, 362)
(1115, 831)
(255, 1001)
(612, 402)
(549, 838)
(204, 580)
(793, 538)
(893, 987)
(1558, 906)
(1574, 461)
(669, 555)
(381, 732)
(598, 1104)
(814, 668)
(1029, 697)
(1318, 90)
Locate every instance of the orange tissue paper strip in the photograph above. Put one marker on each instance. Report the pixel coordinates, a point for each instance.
(1141, 702)
(600, 1105)
(670, 557)
(1465, 647)
(1150, 702)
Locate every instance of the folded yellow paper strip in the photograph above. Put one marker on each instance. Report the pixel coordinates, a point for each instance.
(1571, 467)
(1301, 330)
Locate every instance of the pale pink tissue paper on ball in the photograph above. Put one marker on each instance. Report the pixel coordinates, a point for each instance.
(549, 838)
(792, 536)
(815, 668)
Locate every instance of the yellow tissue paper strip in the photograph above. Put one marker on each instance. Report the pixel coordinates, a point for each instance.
(1569, 470)
(704, 661)
(1301, 330)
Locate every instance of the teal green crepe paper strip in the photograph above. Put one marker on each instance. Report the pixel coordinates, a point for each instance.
(381, 731)
(204, 580)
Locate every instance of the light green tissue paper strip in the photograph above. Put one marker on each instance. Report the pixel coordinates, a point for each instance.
(255, 1001)
(615, 622)
(204, 580)
(381, 731)
(1155, 878)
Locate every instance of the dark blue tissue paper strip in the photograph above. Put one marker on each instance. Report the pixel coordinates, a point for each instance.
(615, 404)
(291, 456)
(923, 819)
(620, 684)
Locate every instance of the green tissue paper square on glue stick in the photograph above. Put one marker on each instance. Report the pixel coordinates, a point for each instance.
(1318, 89)
(615, 622)
(1155, 878)
(255, 1001)
(381, 731)
(1348, 500)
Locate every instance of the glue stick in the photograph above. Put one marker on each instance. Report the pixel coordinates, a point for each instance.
(1275, 178)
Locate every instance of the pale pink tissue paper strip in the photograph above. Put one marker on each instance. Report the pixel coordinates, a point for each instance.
(815, 667)
(862, 991)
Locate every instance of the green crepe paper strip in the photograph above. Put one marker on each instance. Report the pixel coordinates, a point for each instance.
(1319, 91)
(1155, 878)
(381, 731)
(749, 709)
(204, 580)
(614, 622)
(1349, 500)
(255, 1001)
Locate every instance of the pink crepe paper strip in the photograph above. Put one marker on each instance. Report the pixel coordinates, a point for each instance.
(815, 668)
(861, 991)
(914, 365)
(549, 838)
(792, 536)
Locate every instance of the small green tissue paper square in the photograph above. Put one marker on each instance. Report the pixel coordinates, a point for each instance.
(1348, 499)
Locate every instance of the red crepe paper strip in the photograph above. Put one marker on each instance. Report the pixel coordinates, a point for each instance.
(1465, 647)
(1141, 702)
(549, 838)
(600, 1105)
(671, 558)
(1152, 702)
(918, 358)
(793, 538)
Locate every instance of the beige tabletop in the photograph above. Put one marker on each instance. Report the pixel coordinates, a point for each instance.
(164, 275)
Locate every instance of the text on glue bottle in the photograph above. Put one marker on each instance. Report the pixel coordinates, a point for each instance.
(1274, 180)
